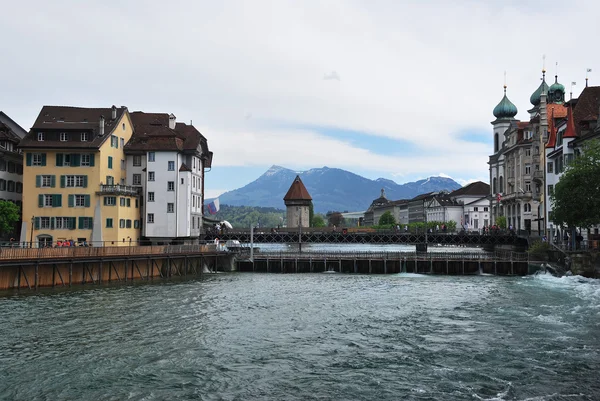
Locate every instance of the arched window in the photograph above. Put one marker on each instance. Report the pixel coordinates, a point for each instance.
(496, 143)
(494, 187)
(501, 185)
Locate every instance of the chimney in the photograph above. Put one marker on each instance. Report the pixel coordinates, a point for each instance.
(114, 112)
(172, 119)
(101, 130)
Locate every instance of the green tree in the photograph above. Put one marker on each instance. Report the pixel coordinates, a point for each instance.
(387, 218)
(318, 221)
(576, 197)
(311, 214)
(336, 219)
(9, 216)
(501, 221)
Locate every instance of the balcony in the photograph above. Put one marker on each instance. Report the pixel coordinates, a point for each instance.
(526, 196)
(538, 175)
(126, 190)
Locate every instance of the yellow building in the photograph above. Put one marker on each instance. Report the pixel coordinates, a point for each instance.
(74, 178)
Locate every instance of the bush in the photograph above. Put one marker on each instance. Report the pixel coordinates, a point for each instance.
(539, 248)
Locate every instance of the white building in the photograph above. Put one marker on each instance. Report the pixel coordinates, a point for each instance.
(167, 159)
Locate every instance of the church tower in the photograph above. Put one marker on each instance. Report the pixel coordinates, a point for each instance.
(297, 202)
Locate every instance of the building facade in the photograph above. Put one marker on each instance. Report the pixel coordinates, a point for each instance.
(297, 203)
(11, 160)
(75, 175)
(166, 160)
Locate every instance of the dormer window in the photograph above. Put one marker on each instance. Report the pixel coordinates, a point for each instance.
(85, 136)
(41, 136)
(64, 137)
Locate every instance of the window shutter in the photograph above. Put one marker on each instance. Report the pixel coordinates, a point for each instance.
(38, 181)
(72, 223)
(62, 181)
(90, 222)
(128, 202)
(52, 181)
(37, 223)
(43, 159)
(81, 222)
(56, 200)
(105, 201)
(85, 181)
(52, 222)
(75, 160)
(71, 200)
(87, 201)
(41, 200)
(28, 159)
(92, 159)
(109, 161)
(136, 224)
(59, 159)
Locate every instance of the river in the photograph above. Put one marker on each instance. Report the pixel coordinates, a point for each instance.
(244, 336)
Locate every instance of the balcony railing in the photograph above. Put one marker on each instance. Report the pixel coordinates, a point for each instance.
(538, 175)
(517, 195)
(119, 190)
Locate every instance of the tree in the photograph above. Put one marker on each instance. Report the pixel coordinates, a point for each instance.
(501, 221)
(336, 219)
(311, 214)
(576, 197)
(318, 221)
(9, 216)
(387, 218)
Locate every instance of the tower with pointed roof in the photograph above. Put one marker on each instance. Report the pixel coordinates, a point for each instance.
(297, 203)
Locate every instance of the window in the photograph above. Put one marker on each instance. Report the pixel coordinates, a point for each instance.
(2, 185)
(151, 156)
(127, 223)
(170, 207)
(110, 164)
(171, 186)
(45, 222)
(64, 137)
(550, 189)
(527, 169)
(114, 142)
(46, 181)
(122, 201)
(128, 202)
(122, 142)
(194, 162)
(150, 196)
(137, 161)
(109, 223)
(2, 165)
(122, 223)
(485, 209)
(37, 159)
(475, 209)
(11, 167)
(85, 136)
(41, 136)
(85, 223)
(550, 167)
(150, 175)
(150, 218)
(110, 200)
(171, 165)
(137, 203)
(123, 126)
(71, 181)
(63, 223)
(527, 186)
(19, 187)
(137, 179)
(136, 224)
(110, 180)
(80, 200)
(48, 200)
(86, 159)
(527, 152)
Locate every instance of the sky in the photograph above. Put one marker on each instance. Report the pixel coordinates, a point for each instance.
(401, 90)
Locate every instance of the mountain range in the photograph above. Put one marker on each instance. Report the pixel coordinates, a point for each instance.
(332, 189)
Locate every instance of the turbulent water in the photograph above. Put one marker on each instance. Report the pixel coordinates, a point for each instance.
(306, 337)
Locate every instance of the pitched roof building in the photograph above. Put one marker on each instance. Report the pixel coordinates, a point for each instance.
(297, 201)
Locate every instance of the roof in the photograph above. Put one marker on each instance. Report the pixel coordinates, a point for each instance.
(53, 120)
(297, 191)
(184, 167)
(477, 188)
(586, 108)
(421, 197)
(446, 200)
(152, 132)
(555, 111)
(570, 130)
(15, 128)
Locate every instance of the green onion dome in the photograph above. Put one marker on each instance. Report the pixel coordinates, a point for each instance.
(537, 95)
(557, 86)
(505, 109)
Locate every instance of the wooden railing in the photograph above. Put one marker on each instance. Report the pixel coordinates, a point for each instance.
(99, 252)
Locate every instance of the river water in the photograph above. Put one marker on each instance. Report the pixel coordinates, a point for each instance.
(306, 337)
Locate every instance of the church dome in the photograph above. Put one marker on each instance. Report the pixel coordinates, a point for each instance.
(556, 86)
(537, 95)
(505, 109)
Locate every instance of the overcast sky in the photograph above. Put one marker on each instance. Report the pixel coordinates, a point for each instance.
(395, 89)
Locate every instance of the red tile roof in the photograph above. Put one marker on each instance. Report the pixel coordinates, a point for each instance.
(570, 130)
(587, 107)
(555, 111)
(297, 191)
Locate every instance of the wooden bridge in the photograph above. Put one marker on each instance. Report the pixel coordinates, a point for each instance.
(368, 236)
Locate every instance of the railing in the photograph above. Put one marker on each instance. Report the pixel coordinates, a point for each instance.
(474, 256)
(7, 253)
(119, 190)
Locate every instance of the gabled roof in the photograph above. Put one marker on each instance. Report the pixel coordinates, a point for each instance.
(477, 188)
(12, 126)
(72, 120)
(587, 105)
(555, 112)
(184, 167)
(570, 130)
(297, 191)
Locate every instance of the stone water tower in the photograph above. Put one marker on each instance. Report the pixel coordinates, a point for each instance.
(297, 202)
